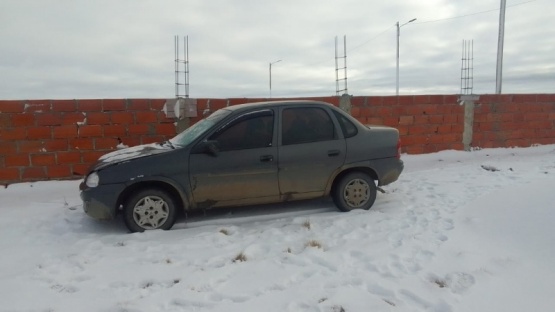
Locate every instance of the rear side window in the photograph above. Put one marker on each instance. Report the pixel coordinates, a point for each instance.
(349, 129)
(305, 125)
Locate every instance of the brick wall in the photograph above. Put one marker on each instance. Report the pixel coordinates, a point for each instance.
(60, 139)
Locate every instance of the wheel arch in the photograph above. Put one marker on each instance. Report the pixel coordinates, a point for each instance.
(178, 196)
(369, 171)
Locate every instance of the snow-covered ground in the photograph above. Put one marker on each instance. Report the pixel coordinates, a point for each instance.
(460, 231)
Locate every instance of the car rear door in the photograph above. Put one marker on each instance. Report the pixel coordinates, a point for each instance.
(311, 149)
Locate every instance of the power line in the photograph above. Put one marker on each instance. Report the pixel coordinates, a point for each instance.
(471, 14)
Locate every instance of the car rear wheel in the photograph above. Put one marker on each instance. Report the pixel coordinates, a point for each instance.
(149, 209)
(356, 190)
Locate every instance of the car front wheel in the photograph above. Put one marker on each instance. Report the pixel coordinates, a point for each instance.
(149, 209)
(356, 190)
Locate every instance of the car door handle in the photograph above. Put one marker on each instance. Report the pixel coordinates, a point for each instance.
(266, 158)
(333, 153)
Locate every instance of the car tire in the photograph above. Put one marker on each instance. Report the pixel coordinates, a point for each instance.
(149, 209)
(355, 190)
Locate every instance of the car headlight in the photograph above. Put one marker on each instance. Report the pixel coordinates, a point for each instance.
(92, 180)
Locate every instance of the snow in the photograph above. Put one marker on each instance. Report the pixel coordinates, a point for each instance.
(448, 236)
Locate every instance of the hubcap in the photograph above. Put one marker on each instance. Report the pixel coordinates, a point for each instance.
(356, 193)
(150, 212)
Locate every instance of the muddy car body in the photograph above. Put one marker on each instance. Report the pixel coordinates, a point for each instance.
(246, 154)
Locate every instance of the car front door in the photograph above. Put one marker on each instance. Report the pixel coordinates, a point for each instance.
(311, 149)
(243, 169)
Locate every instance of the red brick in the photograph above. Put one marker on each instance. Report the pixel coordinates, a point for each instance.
(391, 121)
(59, 171)
(536, 116)
(146, 117)
(421, 99)
(355, 111)
(49, 119)
(384, 111)
(92, 156)
(421, 120)
(114, 130)
(72, 157)
(73, 118)
(418, 149)
(131, 141)
(436, 99)
(9, 174)
(166, 129)
(64, 106)
(444, 128)
(403, 130)
(398, 110)
(33, 173)
(540, 124)
(138, 104)
(152, 139)
(80, 169)
(5, 120)
(39, 133)
(524, 98)
(451, 99)
(390, 100)
(163, 118)
(419, 139)
(56, 145)
(406, 100)
(98, 118)
(122, 118)
(436, 119)
(13, 134)
(43, 159)
(375, 100)
(216, 104)
(90, 131)
(23, 120)
(449, 119)
(421, 129)
(37, 106)
(81, 144)
(114, 105)
(7, 148)
(157, 104)
(138, 129)
(64, 132)
(89, 105)
(17, 160)
(406, 120)
(12, 107)
(374, 121)
(105, 143)
(30, 146)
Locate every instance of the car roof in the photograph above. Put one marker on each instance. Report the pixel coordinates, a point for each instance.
(268, 104)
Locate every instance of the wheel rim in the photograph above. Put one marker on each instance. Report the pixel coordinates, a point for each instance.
(151, 212)
(356, 193)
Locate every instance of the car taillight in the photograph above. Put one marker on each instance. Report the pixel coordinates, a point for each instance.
(399, 148)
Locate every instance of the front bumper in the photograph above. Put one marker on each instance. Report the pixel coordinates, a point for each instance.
(101, 202)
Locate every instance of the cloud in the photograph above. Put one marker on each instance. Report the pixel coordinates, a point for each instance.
(125, 49)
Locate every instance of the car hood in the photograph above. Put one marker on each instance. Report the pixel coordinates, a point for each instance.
(129, 153)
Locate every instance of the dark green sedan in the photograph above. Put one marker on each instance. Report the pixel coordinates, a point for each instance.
(246, 154)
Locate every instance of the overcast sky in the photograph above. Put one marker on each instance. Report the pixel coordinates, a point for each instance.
(60, 49)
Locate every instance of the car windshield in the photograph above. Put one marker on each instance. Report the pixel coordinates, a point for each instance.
(198, 129)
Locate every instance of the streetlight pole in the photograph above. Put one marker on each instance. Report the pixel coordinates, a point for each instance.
(271, 76)
(399, 35)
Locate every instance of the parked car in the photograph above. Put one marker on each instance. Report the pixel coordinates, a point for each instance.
(246, 154)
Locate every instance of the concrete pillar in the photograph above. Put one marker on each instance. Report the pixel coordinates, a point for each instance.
(345, 103)
(468, 102)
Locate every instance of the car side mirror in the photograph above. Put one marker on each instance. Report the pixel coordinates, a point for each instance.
(213, 148)
(207, 147)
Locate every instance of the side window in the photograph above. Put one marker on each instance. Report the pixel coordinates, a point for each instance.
(348, 128)
(304, 125)
(246, 132)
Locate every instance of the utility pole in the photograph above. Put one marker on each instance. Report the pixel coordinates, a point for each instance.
(499, 70)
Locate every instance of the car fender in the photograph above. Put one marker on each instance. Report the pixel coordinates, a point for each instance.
(178, 190)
